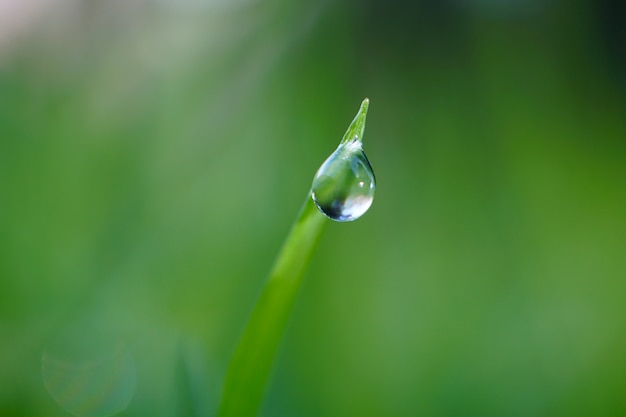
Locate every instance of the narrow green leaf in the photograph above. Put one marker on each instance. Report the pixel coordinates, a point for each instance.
(357, 127)
(251, 364)
(252, 361)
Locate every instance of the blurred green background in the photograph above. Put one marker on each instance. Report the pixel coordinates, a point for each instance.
(154, 153)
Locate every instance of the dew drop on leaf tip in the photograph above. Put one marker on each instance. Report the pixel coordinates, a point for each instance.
(343, 187)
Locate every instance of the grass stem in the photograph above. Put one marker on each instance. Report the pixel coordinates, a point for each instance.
(251, 364)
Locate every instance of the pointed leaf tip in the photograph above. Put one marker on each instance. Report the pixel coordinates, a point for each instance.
(357, 127)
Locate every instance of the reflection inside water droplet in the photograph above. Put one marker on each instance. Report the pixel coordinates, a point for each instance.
(343, 187)
(90, 383)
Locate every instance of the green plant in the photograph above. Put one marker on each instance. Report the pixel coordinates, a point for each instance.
(251, 364)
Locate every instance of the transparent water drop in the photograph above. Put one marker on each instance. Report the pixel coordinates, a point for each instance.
(343, 187)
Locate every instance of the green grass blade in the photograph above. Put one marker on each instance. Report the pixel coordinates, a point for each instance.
(357, 127)
(252, 361)
(251, 364)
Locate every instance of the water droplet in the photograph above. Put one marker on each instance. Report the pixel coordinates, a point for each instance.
(343, 187)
